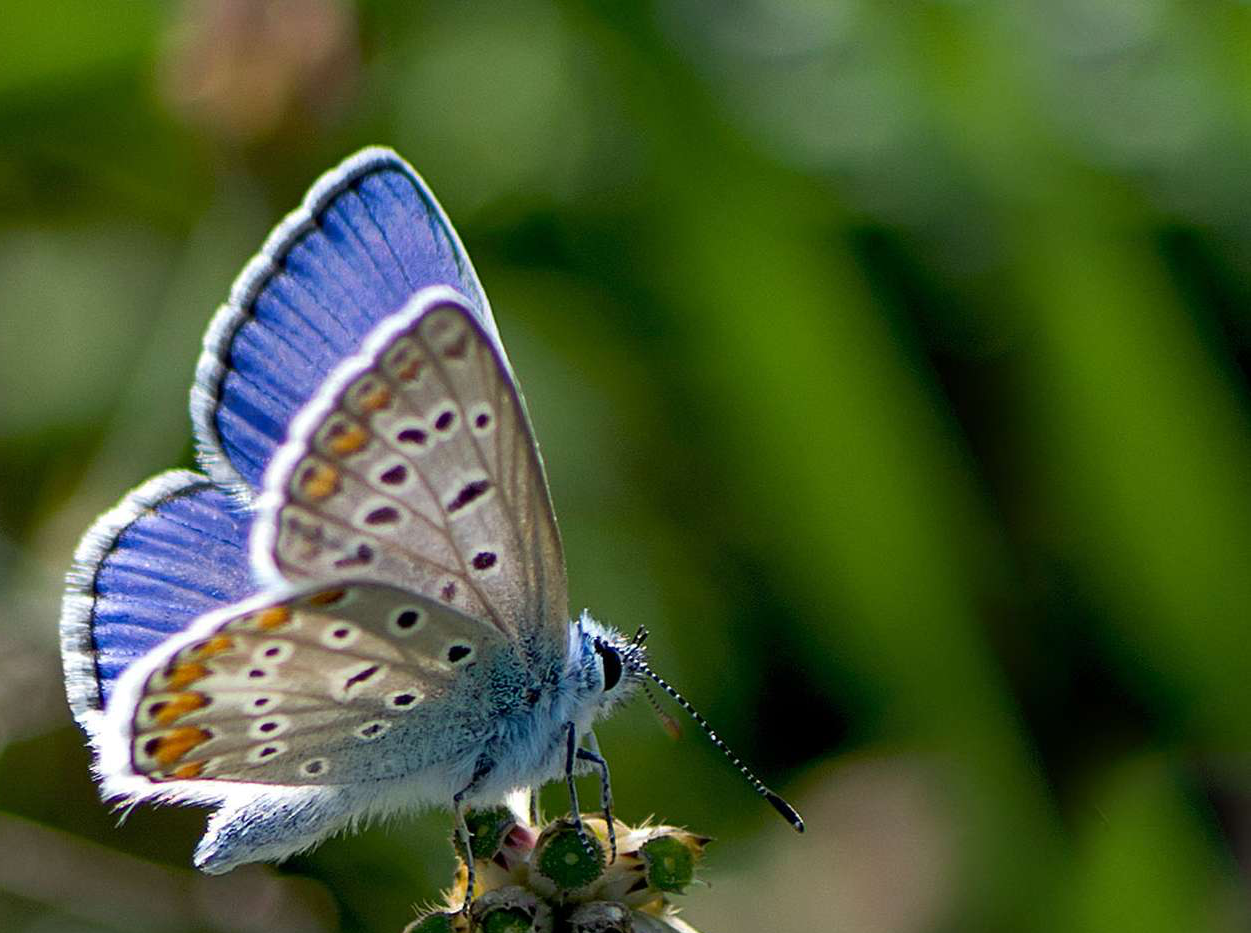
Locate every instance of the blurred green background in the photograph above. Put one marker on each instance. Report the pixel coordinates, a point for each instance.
(890, 363)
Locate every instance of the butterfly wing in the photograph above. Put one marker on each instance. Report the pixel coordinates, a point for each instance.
(415, 464)
(355, 683)
(361, 681)
(170, 551)
(368, 235)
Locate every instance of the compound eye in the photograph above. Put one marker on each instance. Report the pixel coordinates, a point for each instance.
(612, 665)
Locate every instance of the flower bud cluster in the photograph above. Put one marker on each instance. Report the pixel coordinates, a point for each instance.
(557, 880)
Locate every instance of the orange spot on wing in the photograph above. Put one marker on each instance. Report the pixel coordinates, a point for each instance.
(192, 769)
(214, 646)
(327, 597)
(184, 674)
(274, 617)
(179, 705)
(174, 745)
(374, 399)
(349, 441)
(319, 481)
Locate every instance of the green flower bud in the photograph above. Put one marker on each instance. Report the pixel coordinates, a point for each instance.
(652, 861)
(488, 828)
(524, 882)
(670, 860)
(567, 859)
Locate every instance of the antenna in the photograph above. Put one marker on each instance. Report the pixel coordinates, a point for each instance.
(788, 812)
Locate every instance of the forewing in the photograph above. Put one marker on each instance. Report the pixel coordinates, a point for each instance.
(415, 464)
(368, 235)
(356, 682)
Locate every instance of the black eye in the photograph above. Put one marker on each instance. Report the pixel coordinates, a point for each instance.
(612, 665)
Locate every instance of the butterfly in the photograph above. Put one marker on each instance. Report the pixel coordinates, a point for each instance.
(360, 605)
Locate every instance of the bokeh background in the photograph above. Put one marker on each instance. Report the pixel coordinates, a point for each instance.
(890, 361)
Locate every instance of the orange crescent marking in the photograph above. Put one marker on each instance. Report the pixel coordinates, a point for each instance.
(173, 745)
(215, 645)
(273, 617)
(375, 398)
(320, 481)
(327, 597)
(350, 441)
(192, 769)
(178, 706)
(185, 674)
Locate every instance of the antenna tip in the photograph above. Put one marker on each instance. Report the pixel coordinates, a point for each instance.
(789, 813)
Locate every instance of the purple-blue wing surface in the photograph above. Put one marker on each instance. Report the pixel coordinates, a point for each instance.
(170, 551)
(368, 235)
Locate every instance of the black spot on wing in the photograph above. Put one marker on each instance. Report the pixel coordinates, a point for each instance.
(395, 476)
(361, 676)
(386, 515)
(468, 493)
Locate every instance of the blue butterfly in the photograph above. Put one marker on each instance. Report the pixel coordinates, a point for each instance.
(360, 607)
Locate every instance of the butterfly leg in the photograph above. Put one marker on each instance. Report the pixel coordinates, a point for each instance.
(462, 828)
(593, 756)
(462, 833)
(571, 753)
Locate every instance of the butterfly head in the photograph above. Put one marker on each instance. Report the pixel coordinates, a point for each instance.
(612, 664)
(621, 661)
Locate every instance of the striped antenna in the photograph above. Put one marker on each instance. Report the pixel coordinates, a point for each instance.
(788, 812)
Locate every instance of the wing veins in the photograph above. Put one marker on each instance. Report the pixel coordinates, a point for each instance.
(354, 190)
(438, 502)
(508, 512)
(382, 493)
(278, 298)
(369, 212)
(331, 314)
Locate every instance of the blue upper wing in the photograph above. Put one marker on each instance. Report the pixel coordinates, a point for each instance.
(368, 235)
(170, 551)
